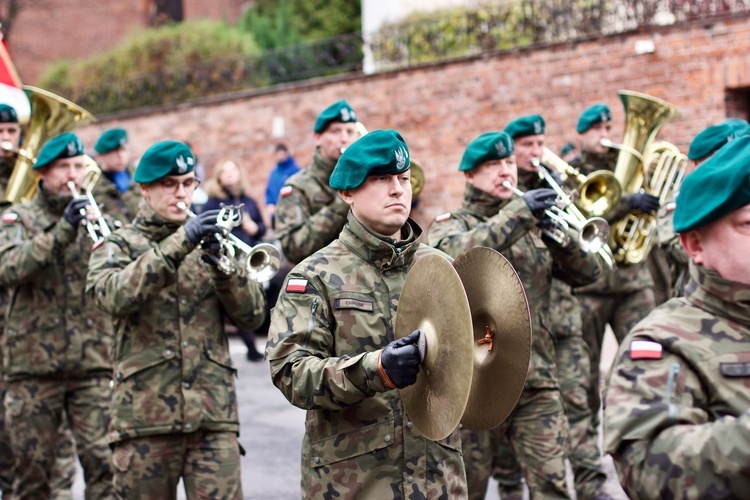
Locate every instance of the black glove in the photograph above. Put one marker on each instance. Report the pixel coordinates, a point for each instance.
(75, 211)
(197, 228)
(400, 361)
(546, 223)
(644, 202)
(539, 200)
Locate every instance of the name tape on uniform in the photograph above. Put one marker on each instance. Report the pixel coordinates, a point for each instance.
(645, 349)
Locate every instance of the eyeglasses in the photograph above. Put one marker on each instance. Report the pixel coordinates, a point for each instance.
(172, 185)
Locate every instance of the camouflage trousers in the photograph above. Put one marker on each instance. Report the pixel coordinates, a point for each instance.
(621, 312)
(151, 467)
(35, 409)
(536, 430)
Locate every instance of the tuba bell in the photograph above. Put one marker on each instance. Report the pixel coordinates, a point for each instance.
(644, 166)
(50, 115)
(417, 178)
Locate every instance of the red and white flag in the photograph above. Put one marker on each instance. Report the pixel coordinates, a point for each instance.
(11, 92)
(645, 349)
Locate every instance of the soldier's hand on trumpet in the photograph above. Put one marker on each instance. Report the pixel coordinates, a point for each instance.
(201, 226)
(644, 202)
(539, 200)
(75, 211)
(399, 361)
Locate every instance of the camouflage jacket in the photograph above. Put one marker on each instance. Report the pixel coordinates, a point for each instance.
(172, 368)
(309, 214)
(121, 206)
(53, 329)
(669, 241)
(6, 169)
(510, 228)
(627, 278)
(677, 417)
(333, 318)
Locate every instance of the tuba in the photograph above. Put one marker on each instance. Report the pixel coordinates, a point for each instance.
(50, 115)
(642, 165)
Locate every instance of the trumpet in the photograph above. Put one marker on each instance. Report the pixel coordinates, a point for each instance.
(94, 221)
(262, 261)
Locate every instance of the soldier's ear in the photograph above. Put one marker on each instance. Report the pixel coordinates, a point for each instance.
(346, 195)
(692, 242)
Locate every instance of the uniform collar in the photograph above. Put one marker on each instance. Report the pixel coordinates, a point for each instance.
(153, 224)
(482, 202)
(383, 253)
(725, 298)
(53, 203)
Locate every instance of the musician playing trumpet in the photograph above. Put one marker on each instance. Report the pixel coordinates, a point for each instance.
(57, 343)
(492, 215)
(174, 402)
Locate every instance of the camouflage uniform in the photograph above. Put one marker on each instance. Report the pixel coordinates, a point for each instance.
(56, 348)
(537, 427)
(309, 213)
(620, 299)
(323, 347)
(678, 412)
(174, 376)
(671, 257)
(121, 206)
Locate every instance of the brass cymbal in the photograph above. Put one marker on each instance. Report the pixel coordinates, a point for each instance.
(433, 300)
(498, 306)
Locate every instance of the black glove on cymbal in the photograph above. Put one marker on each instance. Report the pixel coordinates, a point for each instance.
(197, 228)
(539, 200)
(644, 202)
(75, 211)
(400, 361)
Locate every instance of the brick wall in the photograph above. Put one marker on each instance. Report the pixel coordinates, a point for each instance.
(48, 30)
(440, 108)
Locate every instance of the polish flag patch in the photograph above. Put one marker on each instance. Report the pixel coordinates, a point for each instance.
(296, 286)
(9, 218)
(645, 349)
(669, 207)
(442, 217)
(285, 191)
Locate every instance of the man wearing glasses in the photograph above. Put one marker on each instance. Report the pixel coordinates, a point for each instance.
(56, 342)
(174, 408)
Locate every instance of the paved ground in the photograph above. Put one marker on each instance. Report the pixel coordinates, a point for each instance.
(272, 431)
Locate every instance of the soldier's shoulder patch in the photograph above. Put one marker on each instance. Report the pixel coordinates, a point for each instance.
(443, 216)
(645, 349)
(286, 191)
(296, 285)
(10, 217)
(669, 207)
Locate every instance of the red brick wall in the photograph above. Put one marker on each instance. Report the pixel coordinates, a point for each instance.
(48, 30)
(440, 108)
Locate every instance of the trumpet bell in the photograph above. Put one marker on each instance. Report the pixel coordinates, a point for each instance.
(599, 194)
(594, 234)
(263, 262)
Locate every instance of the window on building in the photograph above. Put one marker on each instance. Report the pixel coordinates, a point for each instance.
(165, 11)
(738, 103)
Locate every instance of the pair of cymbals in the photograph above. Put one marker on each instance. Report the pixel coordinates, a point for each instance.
(477, 331)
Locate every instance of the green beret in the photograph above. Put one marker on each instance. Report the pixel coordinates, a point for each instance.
(716, 188)
(110, 140)
(741, 127)
(709, 140)
(525, 125)
(162, 159)
(339, 111)
(8, 114)
(593, 115)
(486, 147)
(567, 148)
(66, 145)
(380, 152)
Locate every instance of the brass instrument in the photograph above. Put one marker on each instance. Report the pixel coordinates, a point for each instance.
(475, 343)
(262, 261)
(94, 221)
(417, 178)
(598, 193)
(644, 116)
(663, 170)
(593, 233)
(51, 115)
